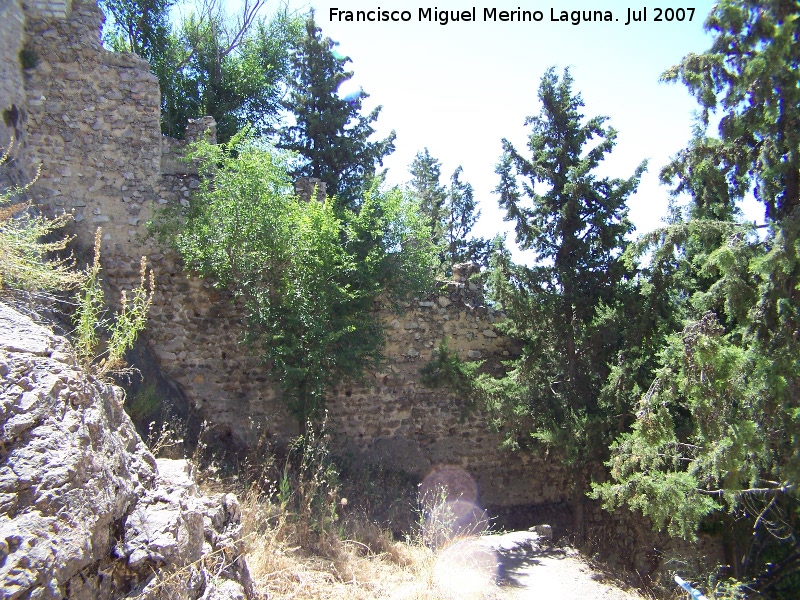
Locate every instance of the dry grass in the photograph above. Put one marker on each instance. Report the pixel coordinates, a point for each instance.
(366, 564)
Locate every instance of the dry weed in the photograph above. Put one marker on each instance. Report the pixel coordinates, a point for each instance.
(367, 564)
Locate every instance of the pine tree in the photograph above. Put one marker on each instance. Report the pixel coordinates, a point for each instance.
(450, 212)
(562, 307)
(329, 133)
(426, 172)
(460, 216)
(716, 436)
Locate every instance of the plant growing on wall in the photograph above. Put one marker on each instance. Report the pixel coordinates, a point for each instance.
(27, 261)
(101, 342)
(308, 279)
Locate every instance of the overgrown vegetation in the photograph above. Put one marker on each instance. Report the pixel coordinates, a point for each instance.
(27, 261)
(450, 213)
(329, 135)
(673, 358)
(233, 67)
(308, 275)
(30, 263)
(715, 440)
(101, 342)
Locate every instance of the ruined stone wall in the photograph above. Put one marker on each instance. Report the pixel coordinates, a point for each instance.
(12, 93)
(93, 125)
(399, 422)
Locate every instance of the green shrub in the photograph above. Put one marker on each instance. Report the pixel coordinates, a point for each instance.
(28, 58)
(26, 260)
(119, 333)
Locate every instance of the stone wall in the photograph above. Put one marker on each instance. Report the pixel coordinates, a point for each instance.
(93, 125)
(52, 9)
(12, 93)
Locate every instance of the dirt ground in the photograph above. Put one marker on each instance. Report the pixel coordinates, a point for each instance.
(516, 566)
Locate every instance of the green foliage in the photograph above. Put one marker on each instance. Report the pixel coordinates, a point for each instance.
(720, 421)
(308, 279)
(144, 407)
(330, 135)
(447, 369)
(138, 26)
(101, 343)
(308, 488)
(28, 58)
(750, 74)
(27, 261)
(206, 65)
(564, 307)
(449, 212)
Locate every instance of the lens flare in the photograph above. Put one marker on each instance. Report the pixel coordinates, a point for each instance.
(466, 570)
(448, 497)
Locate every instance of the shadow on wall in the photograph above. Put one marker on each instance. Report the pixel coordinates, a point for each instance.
(154, 398)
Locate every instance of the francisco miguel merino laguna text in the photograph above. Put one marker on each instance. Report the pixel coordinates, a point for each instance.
(443, 17)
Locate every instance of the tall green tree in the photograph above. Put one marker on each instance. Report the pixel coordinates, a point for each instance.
(426, 186)
(561, 307)
(329, 134)
(460, 216)
(716, 438)
(450, 212)
(210, 63)
(236, 74)
(307, 276)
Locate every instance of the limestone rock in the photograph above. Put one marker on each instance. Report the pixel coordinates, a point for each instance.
(85, 509)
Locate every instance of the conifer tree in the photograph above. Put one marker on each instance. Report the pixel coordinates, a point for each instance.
(460, 216)
(562, 307)
(716, 436)
(426, 172)
(330, 135)
(449, 212)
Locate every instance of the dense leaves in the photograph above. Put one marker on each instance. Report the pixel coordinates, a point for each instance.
(721, 422)
(563, 306)
(330, 135)
(450, 212)
(308, 279)
(209, 63)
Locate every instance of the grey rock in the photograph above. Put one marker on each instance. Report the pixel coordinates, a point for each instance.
(85, 509)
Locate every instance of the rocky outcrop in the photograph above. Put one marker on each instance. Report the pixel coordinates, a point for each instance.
(85, 509)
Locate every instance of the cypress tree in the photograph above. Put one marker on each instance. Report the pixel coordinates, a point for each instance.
(562, 307)
(449, 212)
(329, 133)
(715, 442)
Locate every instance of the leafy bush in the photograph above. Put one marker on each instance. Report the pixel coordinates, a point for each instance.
(308, 277)
(26, 260)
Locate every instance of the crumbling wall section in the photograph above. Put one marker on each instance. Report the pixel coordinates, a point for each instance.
(93, 126)
(12, 92)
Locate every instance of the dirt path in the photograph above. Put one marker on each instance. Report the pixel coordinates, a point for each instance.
(518, 565)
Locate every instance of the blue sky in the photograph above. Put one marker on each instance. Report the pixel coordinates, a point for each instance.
(459, 89)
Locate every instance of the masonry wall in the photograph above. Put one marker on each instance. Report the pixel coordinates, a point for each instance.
(12, 93)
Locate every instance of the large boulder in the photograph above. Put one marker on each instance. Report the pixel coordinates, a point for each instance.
(85, 509)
